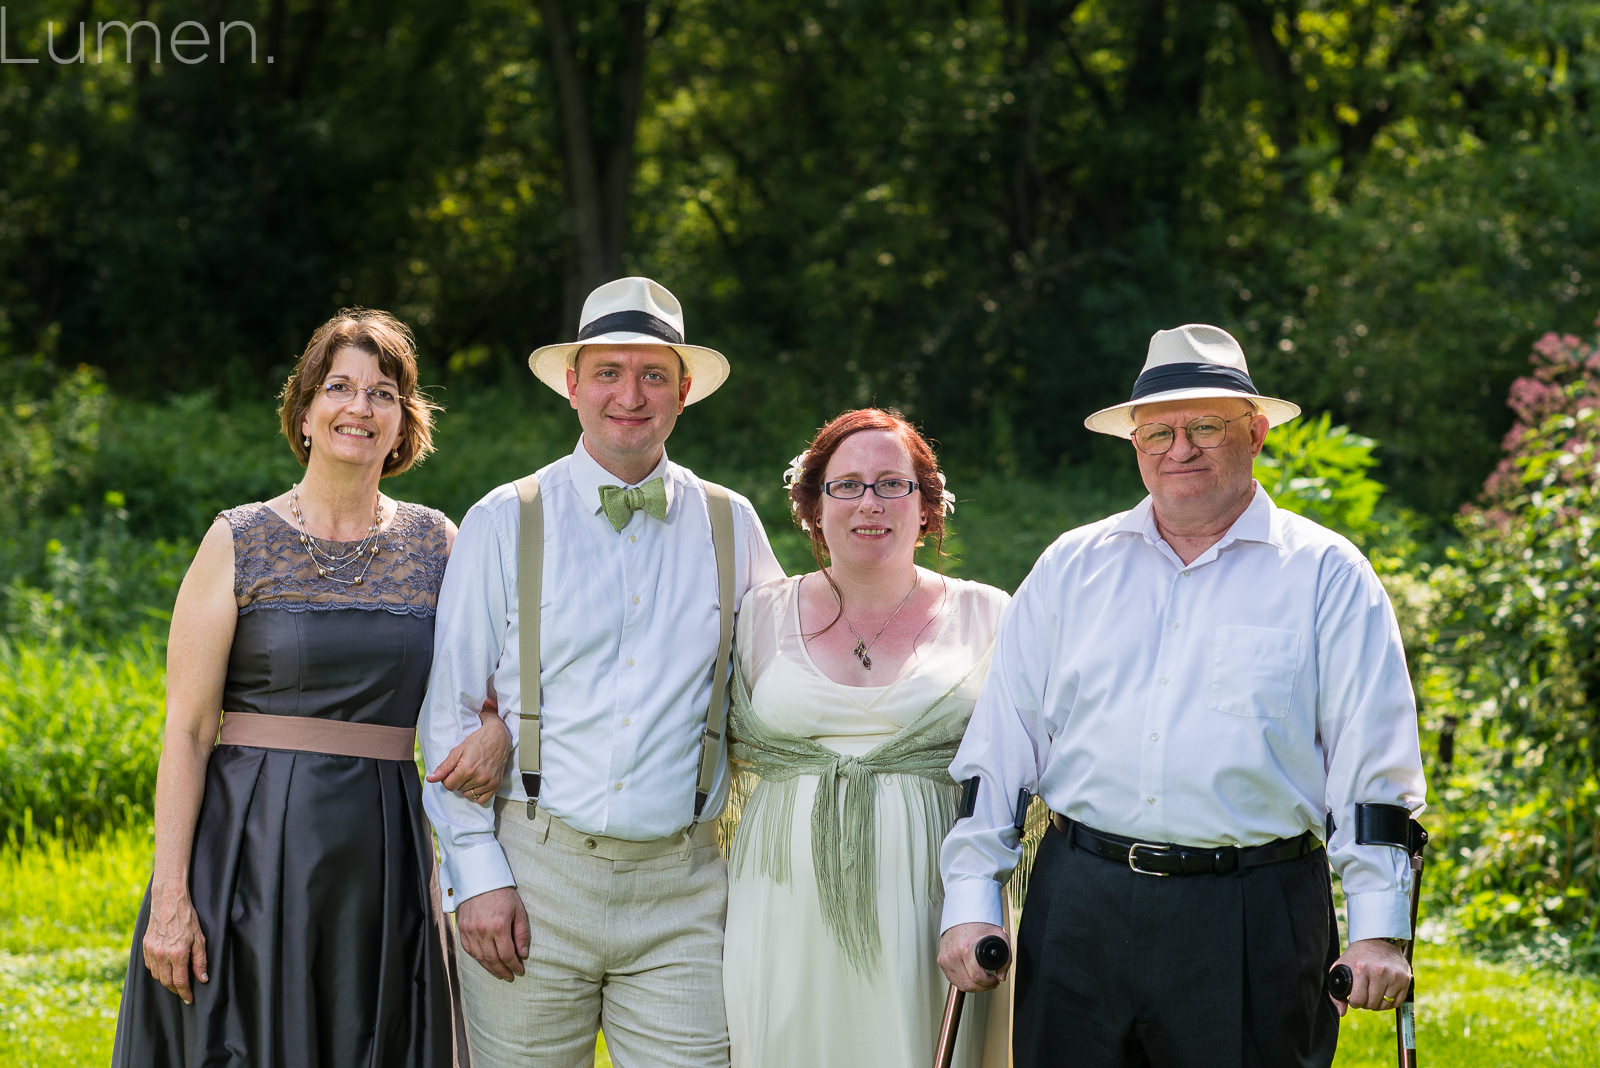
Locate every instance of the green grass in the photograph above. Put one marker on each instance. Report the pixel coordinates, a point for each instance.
(66, 920)
(67, 912)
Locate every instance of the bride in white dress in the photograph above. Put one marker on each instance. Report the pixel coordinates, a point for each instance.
(856, 683)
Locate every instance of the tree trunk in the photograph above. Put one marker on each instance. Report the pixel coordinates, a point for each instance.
(599, 85)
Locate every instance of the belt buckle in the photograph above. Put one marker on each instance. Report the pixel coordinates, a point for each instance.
(1158, 850)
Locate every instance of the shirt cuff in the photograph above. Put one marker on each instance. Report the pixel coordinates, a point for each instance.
(466, 873)
(1378, 914)
(971, 900)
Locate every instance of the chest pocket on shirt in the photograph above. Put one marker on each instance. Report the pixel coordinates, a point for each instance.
(1253, 671)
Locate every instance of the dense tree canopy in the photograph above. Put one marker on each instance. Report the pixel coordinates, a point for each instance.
(977, 211)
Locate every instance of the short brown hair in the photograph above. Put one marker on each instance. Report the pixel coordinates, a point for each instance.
(387, 338)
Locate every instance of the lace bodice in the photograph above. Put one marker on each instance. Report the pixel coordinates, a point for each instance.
(272, 569)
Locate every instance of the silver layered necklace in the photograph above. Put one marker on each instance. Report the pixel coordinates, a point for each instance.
(329, 564)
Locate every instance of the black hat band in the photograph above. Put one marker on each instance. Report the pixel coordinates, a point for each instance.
(633, 322)
(1191, 376)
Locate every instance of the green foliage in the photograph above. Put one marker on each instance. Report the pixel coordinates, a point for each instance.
(1519, 647)
(976, 212)
(53, 420)
(80, 734)
(1320, 471)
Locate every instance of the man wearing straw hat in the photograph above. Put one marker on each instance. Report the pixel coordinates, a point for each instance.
(591, 893)
(1197, 688)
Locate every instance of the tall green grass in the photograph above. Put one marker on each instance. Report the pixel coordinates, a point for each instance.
(80, 734)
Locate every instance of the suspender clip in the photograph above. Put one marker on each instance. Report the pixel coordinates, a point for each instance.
(530, 784)
(699, 804)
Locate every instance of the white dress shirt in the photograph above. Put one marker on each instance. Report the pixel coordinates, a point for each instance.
(1230, 701)
(629, 625)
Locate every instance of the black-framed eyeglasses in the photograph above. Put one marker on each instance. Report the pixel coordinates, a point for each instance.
(344, 393)
(1206, 432)
(851, 489)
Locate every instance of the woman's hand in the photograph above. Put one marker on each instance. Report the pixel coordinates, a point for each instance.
(174, 944)
(476, 765)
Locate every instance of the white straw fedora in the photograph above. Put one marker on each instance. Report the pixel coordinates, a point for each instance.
(1190, 363)
(632, 311)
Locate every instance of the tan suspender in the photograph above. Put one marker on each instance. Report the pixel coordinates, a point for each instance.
(721, 509)
(530, 574)
(530, 577)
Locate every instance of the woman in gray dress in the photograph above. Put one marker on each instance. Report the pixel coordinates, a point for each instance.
(289, 917)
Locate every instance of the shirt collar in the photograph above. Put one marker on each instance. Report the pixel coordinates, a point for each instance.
(588, 476)
(1261, 521)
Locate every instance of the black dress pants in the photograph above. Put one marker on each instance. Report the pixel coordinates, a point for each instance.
(1116, 969)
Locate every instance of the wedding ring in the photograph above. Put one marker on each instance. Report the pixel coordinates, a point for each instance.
(1388, 997)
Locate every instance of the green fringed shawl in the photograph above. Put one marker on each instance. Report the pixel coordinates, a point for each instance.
(843, 840)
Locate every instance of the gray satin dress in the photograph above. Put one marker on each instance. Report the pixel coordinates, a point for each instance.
(311, 872)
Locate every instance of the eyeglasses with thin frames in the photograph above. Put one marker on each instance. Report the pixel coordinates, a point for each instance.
(1206, 432)
(851, 489)
(343, 393)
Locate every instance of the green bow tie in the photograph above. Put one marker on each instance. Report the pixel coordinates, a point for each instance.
(619, 504)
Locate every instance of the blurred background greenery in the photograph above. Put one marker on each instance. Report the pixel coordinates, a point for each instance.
(974, 211)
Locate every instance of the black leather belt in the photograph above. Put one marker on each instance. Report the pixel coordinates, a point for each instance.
(1166, 858)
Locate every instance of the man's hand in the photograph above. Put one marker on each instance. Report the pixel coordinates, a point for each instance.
(1378, 975)
(958, 957)
(476, 765)
(493, 927)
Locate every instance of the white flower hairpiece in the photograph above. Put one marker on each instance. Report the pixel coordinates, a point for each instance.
(790, 476)
(946, 498)
(796, 466)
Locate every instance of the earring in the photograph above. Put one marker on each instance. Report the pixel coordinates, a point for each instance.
(306, 441)
(396, 454)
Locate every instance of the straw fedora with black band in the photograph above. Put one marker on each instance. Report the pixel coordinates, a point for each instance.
(632, 311)
(1194, 362)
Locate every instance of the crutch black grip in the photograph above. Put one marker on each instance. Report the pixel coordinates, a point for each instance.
(1339, 981)
(992, 953)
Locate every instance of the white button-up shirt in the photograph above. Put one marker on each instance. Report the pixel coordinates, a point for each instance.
(629, 625)
(1230, 701)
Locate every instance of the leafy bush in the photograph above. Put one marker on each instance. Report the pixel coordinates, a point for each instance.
(1519, 645)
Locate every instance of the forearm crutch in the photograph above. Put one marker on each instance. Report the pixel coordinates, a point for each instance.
(1392, 825)
(992, 954)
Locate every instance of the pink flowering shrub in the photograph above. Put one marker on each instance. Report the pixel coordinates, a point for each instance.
(1518, 641)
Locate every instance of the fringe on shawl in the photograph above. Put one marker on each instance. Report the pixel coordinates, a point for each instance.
(843, 826)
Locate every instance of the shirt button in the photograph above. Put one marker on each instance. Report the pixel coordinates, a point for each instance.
(619, 786)
(633, 537)
(636, 601)
(1186, 574)
(1149, 800)
(627, 721)
(1175, 626)
(630, 664)
(1163, 678)
(1155, 737)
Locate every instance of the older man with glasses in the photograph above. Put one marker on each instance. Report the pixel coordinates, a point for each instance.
(1204, 690)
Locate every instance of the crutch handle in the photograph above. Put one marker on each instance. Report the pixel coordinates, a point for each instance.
(992, 953)
(1339, 981)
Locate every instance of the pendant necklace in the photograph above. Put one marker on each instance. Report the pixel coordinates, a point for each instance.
(862, 645)
(329, 563)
